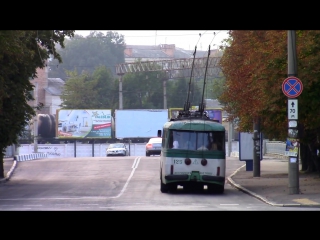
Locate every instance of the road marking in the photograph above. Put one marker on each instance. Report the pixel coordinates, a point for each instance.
(21, 209)
(134, 166)
(136, 162)
(304, 201)
(229, 204)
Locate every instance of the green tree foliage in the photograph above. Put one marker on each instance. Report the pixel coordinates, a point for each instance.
(215, 87)
(143, 90)
(90, 91)
(86, 53)
(21, 54)
(178, 89)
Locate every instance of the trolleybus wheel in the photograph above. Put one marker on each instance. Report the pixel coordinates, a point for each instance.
(213, 188)
(173, 187)
(163, 187)
(219, 189)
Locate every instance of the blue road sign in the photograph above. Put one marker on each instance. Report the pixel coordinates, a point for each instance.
(292, 87)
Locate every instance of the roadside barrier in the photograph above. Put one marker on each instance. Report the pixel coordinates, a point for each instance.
(32, 156)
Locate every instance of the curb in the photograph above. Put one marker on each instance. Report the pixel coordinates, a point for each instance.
(8, 175)
(243, 189)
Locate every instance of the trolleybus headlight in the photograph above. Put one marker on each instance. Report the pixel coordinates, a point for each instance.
(204, 162)
(187, 161)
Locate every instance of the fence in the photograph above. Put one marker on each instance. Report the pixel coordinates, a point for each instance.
(136, 149)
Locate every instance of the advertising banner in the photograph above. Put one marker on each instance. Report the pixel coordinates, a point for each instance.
(139, 123)
(84, 123)
(214, 114)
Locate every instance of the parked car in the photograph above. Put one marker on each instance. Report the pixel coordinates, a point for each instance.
(153, 146)
(117, 149)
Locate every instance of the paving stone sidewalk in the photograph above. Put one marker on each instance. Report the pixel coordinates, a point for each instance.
(272, 186)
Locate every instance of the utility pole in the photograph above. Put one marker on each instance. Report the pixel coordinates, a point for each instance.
(230, 134)
(165, 93)
(292, 87)
(35, 122)
(120, 91)
(256, 147)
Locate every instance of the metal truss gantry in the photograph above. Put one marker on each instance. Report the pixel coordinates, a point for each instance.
(175, 68)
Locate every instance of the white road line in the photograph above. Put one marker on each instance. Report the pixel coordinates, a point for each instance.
(15, 209)
(135, 165)
(229, 204)
(136, 162)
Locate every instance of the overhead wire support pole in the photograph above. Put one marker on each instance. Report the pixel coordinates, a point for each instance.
(293, 163)
(256, 147)
(35, 124)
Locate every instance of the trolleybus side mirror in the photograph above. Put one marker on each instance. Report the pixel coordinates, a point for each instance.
(159, 133)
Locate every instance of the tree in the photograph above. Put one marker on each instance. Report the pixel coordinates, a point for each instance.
(86, 53)
(255, 66)
(143, 90)
(90, 91)
(178, 92)
(21, 54)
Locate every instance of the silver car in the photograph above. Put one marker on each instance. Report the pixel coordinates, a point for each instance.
(117, 149)
(153, 146)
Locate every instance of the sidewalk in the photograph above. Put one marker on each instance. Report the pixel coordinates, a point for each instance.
(272, 187)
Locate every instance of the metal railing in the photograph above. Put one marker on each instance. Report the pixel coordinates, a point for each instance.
(275, 147)
(269, 147)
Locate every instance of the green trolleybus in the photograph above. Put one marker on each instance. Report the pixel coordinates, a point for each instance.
(193, 148)
(193, 154)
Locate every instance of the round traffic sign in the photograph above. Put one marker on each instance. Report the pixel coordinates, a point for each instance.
(292, 87)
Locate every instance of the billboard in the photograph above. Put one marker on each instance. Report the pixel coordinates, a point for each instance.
(84, 123)
(139, 123)
(173, 112)
(213, 113)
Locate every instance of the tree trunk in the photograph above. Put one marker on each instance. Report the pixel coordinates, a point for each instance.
(311, 159)
(1, 165)
(304, 157)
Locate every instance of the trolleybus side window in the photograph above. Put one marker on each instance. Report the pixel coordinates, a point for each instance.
(217, 141)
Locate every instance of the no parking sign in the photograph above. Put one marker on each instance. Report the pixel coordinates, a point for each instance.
(292, 87)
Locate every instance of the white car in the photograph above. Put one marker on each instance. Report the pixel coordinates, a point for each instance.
(153, 146)
(117, 149)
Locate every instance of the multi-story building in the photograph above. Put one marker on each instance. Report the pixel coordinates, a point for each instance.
(47, 91)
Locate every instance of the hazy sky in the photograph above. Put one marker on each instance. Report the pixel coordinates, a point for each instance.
(186, 39)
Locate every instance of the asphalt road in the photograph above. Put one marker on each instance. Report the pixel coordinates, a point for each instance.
(111, 183)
